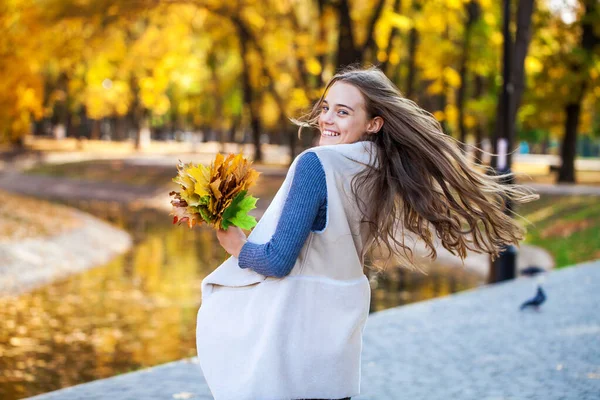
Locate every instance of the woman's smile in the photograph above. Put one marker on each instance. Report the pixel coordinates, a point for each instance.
(328, 132)
(343, 116)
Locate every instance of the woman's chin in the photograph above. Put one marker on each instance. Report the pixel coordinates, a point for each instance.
(326, 140)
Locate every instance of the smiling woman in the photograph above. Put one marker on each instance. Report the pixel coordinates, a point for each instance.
(289, 307)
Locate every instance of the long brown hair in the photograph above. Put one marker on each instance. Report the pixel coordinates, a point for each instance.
(425, 182)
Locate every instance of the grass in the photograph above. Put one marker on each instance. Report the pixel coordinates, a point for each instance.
(567, 226)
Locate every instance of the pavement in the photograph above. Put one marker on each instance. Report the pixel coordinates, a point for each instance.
(471, 345)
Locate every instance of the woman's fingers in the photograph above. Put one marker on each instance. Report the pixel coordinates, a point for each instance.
(231, 239)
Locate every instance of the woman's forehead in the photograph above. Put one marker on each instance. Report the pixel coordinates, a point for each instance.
(345, 93)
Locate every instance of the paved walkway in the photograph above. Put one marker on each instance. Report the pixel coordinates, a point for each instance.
(473, 345)
(565, 188)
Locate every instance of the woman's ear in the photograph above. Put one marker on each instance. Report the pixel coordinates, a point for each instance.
(375, 125)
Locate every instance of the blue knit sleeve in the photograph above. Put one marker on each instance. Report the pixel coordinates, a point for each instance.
(304, 209)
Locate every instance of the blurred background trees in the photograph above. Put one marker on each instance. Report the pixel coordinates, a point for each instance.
(236, 71)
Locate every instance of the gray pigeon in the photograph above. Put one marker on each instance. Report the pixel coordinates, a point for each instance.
(537, 301)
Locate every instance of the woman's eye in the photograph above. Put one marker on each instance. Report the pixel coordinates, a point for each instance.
(343, 112)
(324, 108)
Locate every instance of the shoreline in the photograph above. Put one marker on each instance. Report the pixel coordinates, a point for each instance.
(28, 264)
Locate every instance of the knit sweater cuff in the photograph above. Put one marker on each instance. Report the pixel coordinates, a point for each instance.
(249, 252)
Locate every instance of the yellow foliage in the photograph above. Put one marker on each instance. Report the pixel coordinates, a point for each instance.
(399, 21)
(455, 4)
(497, 38)
(470, 121)
(201, 177)
(297, 101)
(489, 18)
(439, 115)
(269, 111)
(435, 87)
(253, 17)
(394, 58)
(452, 77)
(451, 114)
(313, 66)
(533, 65)
(434, 23)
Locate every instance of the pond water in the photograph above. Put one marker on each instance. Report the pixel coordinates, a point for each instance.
(140, 309)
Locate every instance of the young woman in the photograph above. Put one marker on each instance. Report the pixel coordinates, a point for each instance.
(283, 317)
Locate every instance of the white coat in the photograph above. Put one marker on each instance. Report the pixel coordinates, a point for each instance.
(297, 337)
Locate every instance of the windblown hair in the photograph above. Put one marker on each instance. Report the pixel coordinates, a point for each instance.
(424, 181)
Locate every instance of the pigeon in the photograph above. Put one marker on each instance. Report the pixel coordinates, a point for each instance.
(537, 301)
(532, 270)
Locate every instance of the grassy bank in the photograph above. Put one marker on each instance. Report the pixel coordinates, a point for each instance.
(567, 226)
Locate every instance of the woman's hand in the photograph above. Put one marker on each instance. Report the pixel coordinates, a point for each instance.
(232, 239)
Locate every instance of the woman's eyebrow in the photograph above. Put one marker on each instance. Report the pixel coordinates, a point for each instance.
(340, 105)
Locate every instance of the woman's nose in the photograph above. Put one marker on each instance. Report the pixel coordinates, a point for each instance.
(327, 117)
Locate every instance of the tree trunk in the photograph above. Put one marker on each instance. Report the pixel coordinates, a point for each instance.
(393, 35)
(473, 13)
(522, 40)
(566, 172)
(413, 40)
(322, 40)
(479, 89)
(369, 49)
(95, 135)
(136, 113)
(517, 54)
(218, 125)
(589, 40)
(302, 74)
(121, 128)
(443, 98)
(347, 52)
(249, 100)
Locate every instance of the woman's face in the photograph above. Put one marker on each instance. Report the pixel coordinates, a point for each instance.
(343, 116)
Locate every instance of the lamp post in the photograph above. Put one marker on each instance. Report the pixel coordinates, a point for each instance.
(505, 266)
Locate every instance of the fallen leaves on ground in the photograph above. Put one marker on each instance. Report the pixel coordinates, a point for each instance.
(24, 217)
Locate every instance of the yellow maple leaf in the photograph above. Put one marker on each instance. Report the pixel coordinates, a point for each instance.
(250, 178)
(201, 175)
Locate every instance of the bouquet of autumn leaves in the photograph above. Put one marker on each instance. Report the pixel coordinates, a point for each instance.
(216, 195)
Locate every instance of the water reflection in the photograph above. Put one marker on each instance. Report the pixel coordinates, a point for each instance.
(140, 309)
(398, 286)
